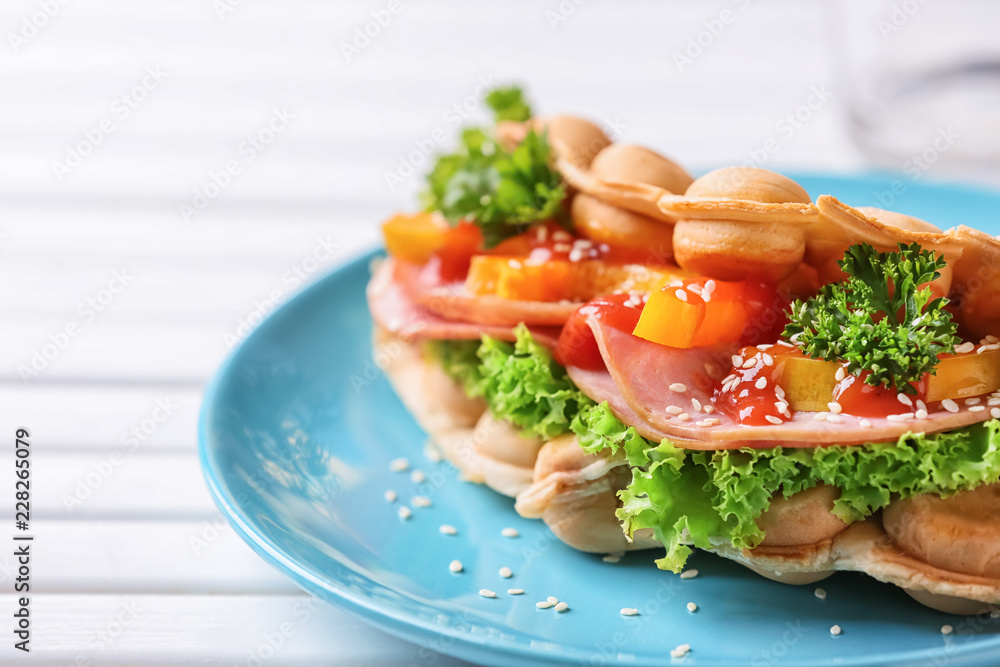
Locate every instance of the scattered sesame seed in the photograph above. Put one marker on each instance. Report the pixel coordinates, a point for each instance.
(750, 363)
(514, 264)
(696, 404)
(404, 512)
(447, 529)
(993, 401)
(949, 405)
(988, 348)
(433, 455)
(390, 496)
(973, 401)
(737, 361)
(835, 630)
(562, 247)
(768, 359)
(560, 235)
(920, 414)
(552, 598)
(674, 410)
(896, 418)
(692, 607)
(865, 423)
(778, 391)
(965, 347)
(455, 566)
(772, 419)
(904, 399)
(819, 416)
(487, 593)
(678, 387)
(418, 477)
(629, 611)
(684, 417)
(946, 629)
(995, 413)
(421, 501)
(841, 374)
(681, 651)
(506, 573)
(992, 339)
(834, 419)
(689, 574)
(729, 378)
(977, 408)
(544, 604)
(835, 407)
(921, 405)
(561, 607)
(510, 532)
(784, 343)
(681, 294)
(515, 591)
(760, 383)
(820, 593)
(575, 255)
(399, 465)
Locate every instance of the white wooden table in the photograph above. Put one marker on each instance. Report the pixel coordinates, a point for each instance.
(132, 563)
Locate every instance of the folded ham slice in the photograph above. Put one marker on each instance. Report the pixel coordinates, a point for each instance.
(394, 310)
(644, 379)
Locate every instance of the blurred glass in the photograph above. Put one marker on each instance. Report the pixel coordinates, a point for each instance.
(922, 83)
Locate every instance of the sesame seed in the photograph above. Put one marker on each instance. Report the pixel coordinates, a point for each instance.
(834, 418)
(710, 287)
(544, 604)
(896, 418)
(515, 591)
(689, 574)
(784, 343)
(737, 361)
(993, 401)
(920, 414)
(562, 247)
(674, 410)
(446, 529)
(708, 409)
(553, 599)
(772, 419)
(835, 630)
(750, 363)
(988, 348)
(820, 593)
(995, 413)
(487, 593)
(921, 405)
(696, 404)
(728, 379)
(433, 455)
(418, 477)
(865, 423)
(675, 283)
(977, 408)
(768, 359)
(681, 651)
(965, 347)
(575, 255)
(390, 496)
(904, 399)
(946, 629)
(973, 401)
(835, 407)
(629, 611)
(560, 235)
(421, 501)
(692, 607)
(684, 417)
(778, 391)
(561, 607)
(820, 417)
(760, 383)
(840, 375)
(404, 512)
(455, 566)
(510, 532)
(514, 264)
(949, 405)
(992, 339)
(399, 465)
(506, 573)
(678, 387)
(681, 294)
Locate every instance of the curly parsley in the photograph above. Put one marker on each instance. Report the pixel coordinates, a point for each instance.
(502, 191)
(880, 320)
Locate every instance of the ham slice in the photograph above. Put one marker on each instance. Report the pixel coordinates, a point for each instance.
(644, 379)
(393, 310)
(453, 302)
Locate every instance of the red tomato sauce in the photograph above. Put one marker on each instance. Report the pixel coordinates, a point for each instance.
(577, 346)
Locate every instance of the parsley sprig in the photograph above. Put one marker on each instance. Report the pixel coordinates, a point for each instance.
(879, 320)
(502, 191)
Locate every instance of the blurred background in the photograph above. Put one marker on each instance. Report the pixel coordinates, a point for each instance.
(171, 171)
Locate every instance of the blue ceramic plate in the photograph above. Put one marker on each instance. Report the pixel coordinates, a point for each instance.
(297, 432)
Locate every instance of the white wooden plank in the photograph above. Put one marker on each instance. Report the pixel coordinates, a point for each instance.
(143, 557)
(105, 417)
(167, 630)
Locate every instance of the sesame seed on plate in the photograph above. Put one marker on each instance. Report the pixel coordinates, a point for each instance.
(820, 593)
(418, 477)
(433, 455)
(835, 630)
(629, 611)
(421, 501)
(772, 419)
(506, 573)
(405, 512)
(680, 651)
(487, 593)
(552, 598)
(544, 604)
(447, 529)
(510, 532)
(674, 410)
(946, 629)
(681, 294)
(760, 383)
(977, 408)
(390, 496)
(949, 405)
(689, 574)
(515, 591)
(561, 607)
(965, 347)
(692, 607)
(678, 387)
(399, 465)
(455, 566)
